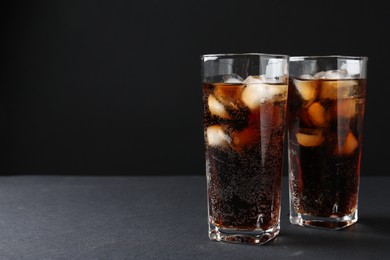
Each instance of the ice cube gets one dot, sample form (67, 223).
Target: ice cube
(254, 79)
(307, 89)
(216, 136)
(278, 92)
(280, 79)
(304, 118)
(332, 74)
(232, 79)
(317, 115)
(319, 75)
(306, 76)
(263, 79)
(228, 95)
(244, 138)
(256, 92)
(217, 108)
(339, 89)
(349, 145)
(345, 108)
(310, 138)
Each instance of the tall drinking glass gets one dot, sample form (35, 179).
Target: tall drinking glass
(245, 100)
(325, 120)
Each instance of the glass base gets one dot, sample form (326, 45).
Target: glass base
(324, 223)
(256, 237)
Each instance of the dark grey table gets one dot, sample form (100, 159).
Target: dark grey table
(88, 217)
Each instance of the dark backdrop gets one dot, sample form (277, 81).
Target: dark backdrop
(113, 87)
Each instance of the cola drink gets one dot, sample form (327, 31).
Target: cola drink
(244, 126)
(325, 118)
(244, 101)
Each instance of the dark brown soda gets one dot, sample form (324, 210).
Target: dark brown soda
(325, 141)
(244, 172)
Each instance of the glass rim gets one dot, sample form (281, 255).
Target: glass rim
(259, 54)
(313, 57)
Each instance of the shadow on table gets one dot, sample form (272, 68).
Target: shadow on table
(377, 225)
(370, 233)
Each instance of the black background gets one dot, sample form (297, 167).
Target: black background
(113, 87)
